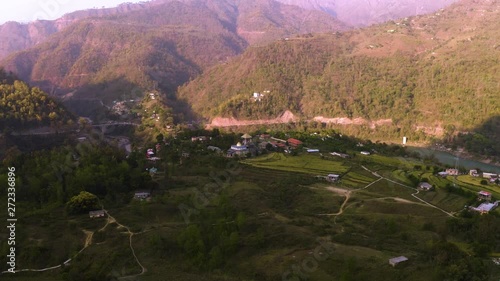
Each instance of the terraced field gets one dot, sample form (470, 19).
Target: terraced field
(308, 164)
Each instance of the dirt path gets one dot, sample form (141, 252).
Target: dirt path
(131, 234)
(88, 242)
(347, 194)
(414, 195)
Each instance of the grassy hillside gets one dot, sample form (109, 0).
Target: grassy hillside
(421, 73)
(272, 216)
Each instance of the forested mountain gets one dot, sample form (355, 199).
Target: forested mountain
(168, 42)
(16, 36)
(367, 12)
(421, 73)
(22, 106)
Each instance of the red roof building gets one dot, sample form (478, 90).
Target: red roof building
(294, 142)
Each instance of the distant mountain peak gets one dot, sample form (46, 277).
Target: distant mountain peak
(367, 12)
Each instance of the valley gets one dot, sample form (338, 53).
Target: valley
(231, 140)
(272, 207)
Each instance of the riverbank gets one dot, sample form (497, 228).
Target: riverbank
(456, 158)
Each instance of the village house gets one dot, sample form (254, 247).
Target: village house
(443, 174)
(276, 144)
(333, 177)
(214, 149)
(473, 173)
(142, 195)
(484, 195)
(97, 214)
(150, 153)
(489, 175)
(199, 138)
(397, 260)
(342, 155)
(485, 207)
(452, 172)
(294, 143)
(264, 136)
(257, 96)
(425, 186)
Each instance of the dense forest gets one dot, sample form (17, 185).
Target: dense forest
(22, 106)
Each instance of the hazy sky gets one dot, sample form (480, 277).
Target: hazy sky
(29, 10)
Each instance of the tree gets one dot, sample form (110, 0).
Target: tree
(159, 138)
(82, 203)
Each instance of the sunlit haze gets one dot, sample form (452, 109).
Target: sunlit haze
(30, 10)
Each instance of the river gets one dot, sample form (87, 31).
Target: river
(450, 159)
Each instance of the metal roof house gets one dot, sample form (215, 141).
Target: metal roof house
(486, 207)
(332, 177)
(397, 260)
(97, 214)
(425, 186)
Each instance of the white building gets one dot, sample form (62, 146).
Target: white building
(397, 260)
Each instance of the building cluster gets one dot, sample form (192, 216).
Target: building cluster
(486, 205)
(250, 146)
(491, 177)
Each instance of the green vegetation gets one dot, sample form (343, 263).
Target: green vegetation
(309, 164)
(334, 75)
(267, 218)
(23, 107)
(82, 203)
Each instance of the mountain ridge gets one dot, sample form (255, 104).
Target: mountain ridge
(187, 36)
(367, 12)
(388, 71)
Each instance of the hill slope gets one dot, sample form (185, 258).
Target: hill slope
(16, 36)
(367, 12)
(168, 42)
(419, 73)
(22, 106)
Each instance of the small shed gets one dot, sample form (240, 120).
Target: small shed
(397, 260)
(484, 195)
(443, 174)
(333, 178)
(142, 195)
(97, 214)
(425, 186)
